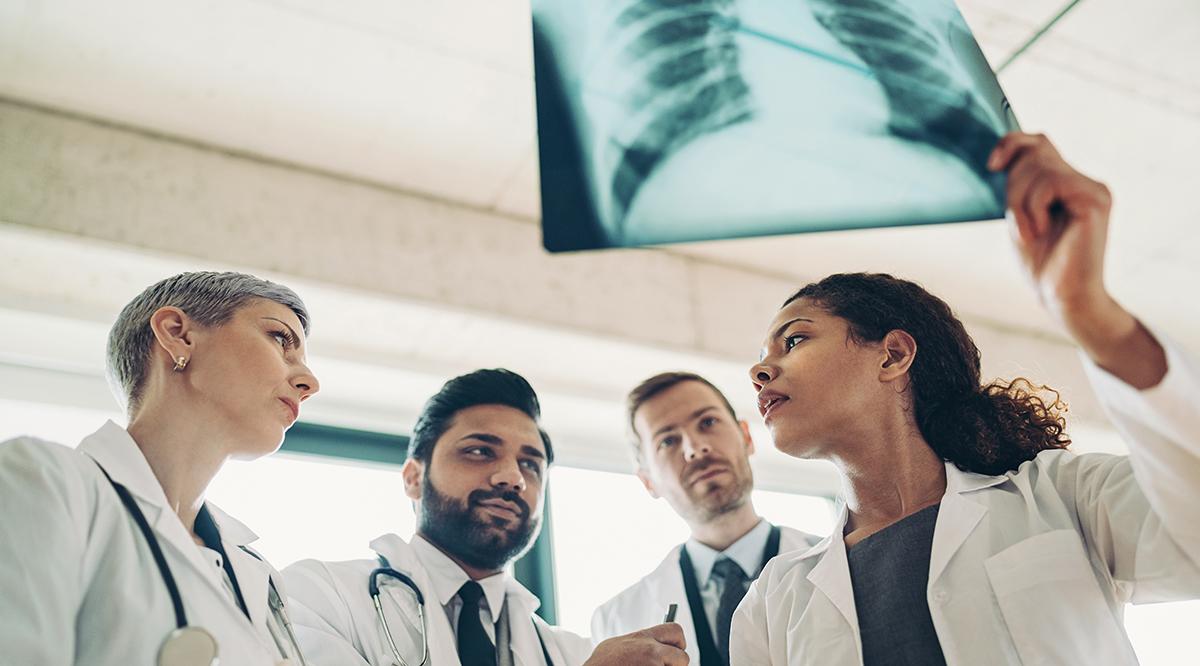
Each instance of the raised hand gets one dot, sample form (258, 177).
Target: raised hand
(1060, 224)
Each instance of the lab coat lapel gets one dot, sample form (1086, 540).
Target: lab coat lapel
(666, 587)
(957, 517)
(120, 457)
(831, 574)
(526, 648)
(253, 574)
(443, 649)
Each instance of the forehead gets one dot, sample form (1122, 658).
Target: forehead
(511, 425)
(798, 309)
(674, 405)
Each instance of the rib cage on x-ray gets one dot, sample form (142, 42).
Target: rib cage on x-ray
(674, 69)
(673, 66)
(926, 101)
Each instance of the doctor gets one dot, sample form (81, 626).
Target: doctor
(970, 536)
(476, 474)
(692, 450)
(111, 554)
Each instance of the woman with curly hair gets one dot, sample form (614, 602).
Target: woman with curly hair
(969, 534)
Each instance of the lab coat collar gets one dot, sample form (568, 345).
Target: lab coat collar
(112, 447)
(957, 518)
(117, 453)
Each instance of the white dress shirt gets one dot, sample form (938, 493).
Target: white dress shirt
(746, 552)
(446, 578)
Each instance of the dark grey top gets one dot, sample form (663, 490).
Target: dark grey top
(890, 572)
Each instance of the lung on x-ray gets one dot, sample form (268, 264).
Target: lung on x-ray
(663, 121)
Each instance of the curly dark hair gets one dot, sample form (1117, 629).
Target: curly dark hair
(986, 429)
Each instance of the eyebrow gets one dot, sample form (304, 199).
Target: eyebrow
(295, 337)
(694, 415)
(779, 331)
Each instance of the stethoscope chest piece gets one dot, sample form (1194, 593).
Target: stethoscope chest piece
(188, 646)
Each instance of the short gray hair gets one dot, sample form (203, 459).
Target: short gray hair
(209, 298)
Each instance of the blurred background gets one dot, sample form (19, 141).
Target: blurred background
(381, 159)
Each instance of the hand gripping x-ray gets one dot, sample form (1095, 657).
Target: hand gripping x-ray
(665, 121)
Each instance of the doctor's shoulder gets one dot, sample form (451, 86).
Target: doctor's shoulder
(327, 593)
(44, 480)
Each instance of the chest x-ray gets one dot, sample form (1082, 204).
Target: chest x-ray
(665, 121)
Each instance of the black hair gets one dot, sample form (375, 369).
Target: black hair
(988, 429)
(481, 387)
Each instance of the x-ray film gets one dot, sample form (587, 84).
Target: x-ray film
(664, 121)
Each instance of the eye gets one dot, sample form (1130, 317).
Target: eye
(668, 441)
(478, 452)
(708, 422)
(792, 340)
(285, 339)
(532, 465)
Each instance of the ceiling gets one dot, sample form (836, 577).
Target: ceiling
(436, 98)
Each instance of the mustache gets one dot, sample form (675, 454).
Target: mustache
(479, 496)
(692, 470)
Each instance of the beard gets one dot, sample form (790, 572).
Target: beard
(483, 542)
(709, 503)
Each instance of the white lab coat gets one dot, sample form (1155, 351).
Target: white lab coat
(1031, 567)
(337, 625)
(79, 584)
(644, 603)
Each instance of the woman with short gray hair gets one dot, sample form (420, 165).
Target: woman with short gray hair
(112, 554)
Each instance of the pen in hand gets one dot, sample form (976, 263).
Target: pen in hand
(671, 613)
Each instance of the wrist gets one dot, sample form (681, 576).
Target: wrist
(1098, 324)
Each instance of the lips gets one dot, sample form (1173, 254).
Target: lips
(503, 508)
(293, 407)
(768, 401)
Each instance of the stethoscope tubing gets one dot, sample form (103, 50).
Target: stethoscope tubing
(373, 589)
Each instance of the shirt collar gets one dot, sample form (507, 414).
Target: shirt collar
(447, 577)
(747, 552)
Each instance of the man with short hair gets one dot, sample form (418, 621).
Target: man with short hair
(476, 469)
(693, 451)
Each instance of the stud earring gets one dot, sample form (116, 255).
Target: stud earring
(180, 363)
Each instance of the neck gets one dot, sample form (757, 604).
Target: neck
(889, 478)
(182, 457)
(473, 572)
(724, 530)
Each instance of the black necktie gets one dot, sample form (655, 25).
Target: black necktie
(474, 646)
(928, 95)
(733, 583)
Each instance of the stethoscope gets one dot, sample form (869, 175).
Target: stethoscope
(385, 569)
(194, 646)
(373, 587)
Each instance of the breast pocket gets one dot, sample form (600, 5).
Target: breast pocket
(1052, 603)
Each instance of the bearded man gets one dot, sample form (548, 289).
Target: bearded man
(476, 471)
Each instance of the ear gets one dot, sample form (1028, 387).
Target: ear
(900, 350)
(413, 474)
(647, 482)
(745, 426)
(172, 330)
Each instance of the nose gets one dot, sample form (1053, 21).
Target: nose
(305, 382)
(762, 373)
(693, 449)
(508, 476)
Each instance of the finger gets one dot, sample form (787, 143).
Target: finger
(670, 633)
(1020, 179)
(673, 657)
(1040, 199)
(1017, 144)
